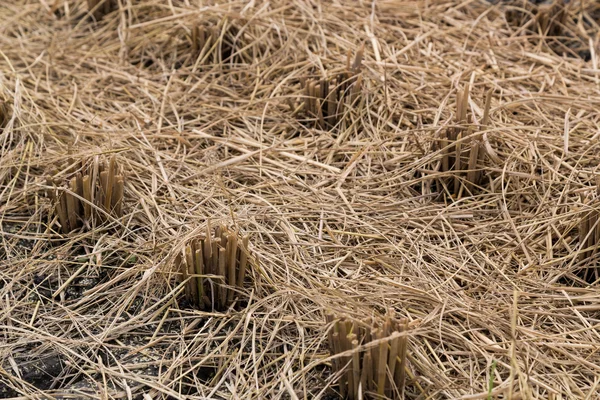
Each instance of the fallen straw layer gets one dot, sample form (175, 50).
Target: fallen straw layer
(92, 193)
(215, 268)
(378, 369)
(334, 215)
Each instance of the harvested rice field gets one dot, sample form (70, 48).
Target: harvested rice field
(303, 199)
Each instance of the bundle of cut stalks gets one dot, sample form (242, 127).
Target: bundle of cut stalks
(213, 44)
(370, 371)
(4, 113)
(589, 231)
(548, 19)
(99, 8)
(214, 267)
(462, 148)
(551, 18)
(93, 191)
(325, 100)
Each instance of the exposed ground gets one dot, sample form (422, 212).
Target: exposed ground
(498, 288)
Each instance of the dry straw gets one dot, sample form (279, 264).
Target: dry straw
(490, 280)
(93, 191)
(372, 356)
(214, 268)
